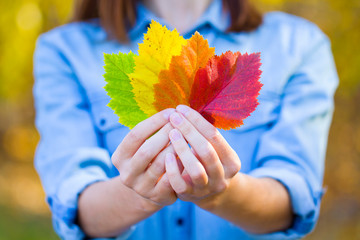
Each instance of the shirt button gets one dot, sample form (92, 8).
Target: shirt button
(102, 122)
(180, 222)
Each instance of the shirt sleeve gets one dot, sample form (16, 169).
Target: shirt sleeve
(293, 150)
(68, 157)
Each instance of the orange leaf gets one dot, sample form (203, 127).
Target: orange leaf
(175, 83)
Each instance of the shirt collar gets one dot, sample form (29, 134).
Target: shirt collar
(213, 16)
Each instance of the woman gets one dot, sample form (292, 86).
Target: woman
(280, 148)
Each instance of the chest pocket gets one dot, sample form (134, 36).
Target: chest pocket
(104, 117)
(106, 122)
(265, 114)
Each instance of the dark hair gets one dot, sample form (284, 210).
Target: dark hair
(116, 16)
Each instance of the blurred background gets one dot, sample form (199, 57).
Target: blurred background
(23, 212)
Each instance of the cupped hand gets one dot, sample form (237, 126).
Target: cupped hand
(208, 164)
(140, 159)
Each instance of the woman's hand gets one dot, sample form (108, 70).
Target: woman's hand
(140, 159)
(209, 164)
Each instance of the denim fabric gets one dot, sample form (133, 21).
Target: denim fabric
(285, 138)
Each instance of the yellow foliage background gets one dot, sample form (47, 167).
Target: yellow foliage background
(23, 212)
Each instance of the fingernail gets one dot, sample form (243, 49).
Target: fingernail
(175, 118)
(168, 112)
(174, 135)
(183, 109)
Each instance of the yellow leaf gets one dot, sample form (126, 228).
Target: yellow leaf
(154, 55)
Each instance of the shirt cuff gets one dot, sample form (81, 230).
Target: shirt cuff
(64, 203)
(305, 205)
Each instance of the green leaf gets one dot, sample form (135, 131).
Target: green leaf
(117, 67)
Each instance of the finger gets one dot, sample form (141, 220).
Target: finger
(137, 165)
(192, 165)
(174, 175)
(138, 135)
(227, 155)
(156, 170)
(164, 187)
(205, 151)
(149, 150)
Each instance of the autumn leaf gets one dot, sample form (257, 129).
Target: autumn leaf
(225, 91)
(170, 70)
(117, 67)
(155, 53)
(175, 83)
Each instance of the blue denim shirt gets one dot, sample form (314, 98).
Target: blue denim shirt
(285, 138)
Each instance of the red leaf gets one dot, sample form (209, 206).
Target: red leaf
(225, 91)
